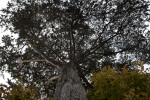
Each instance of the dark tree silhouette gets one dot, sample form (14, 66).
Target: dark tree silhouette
(70, 39)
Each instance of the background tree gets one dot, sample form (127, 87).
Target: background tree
(72, 38)
(126, 85)
(18, 92)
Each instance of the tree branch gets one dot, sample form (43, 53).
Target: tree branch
(47, 82)
(49, 60)
(109, 54)
(33, 60)
(92, 50)
(36, 38)
(95, 41)
(73, 41)
(84, 78)
(114, 53)
(87, 53)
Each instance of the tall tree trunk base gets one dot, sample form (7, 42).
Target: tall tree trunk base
(69, 86)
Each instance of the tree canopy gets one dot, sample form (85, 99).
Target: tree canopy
(89, 34)
(126, 85)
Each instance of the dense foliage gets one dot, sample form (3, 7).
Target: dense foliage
(113, 85)
(18, 92)
(72, 37)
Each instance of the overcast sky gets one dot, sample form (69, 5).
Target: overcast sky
(3, 4)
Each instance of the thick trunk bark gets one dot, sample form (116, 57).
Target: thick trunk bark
(69, 86)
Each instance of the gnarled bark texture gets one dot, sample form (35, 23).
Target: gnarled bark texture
(69, 86)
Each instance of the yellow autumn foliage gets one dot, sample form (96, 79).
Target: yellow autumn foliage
(19, 93)
(124, 85)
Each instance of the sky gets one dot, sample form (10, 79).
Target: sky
(3, 4)
(3, 79)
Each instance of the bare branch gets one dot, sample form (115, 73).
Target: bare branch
(100, 34)
(95, 41)
(88, 52)
(73, 47)
(49, 60)
(84, 78)
(33, 60)
(59, 56)
(110, 54)
(92, 50)
(47, 82)
(123, 50)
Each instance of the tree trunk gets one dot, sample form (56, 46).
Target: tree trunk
(69, 86)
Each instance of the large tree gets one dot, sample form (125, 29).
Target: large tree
(69, 39)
